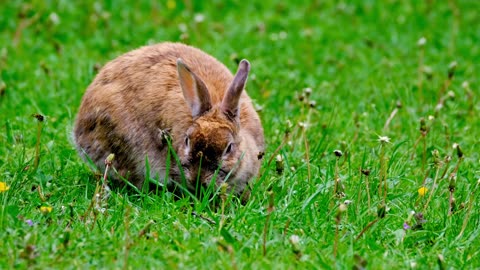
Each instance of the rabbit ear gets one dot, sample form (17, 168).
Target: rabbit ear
(194, 90)
(231, 100)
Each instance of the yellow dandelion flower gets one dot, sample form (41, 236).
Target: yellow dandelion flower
(3, 187)
(422, 191)
(46, 209)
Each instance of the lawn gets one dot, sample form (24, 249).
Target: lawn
(370, 111)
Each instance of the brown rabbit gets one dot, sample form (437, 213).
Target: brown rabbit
(175, 91)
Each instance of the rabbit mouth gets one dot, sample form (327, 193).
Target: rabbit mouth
(216, 176)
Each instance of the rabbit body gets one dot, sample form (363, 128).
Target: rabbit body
(171, 91)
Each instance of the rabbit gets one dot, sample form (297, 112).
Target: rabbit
(172, 92)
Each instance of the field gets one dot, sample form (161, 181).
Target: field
(371, 117)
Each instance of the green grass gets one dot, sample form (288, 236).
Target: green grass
(359, 58)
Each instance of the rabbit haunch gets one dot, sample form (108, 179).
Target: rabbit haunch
(173, 89)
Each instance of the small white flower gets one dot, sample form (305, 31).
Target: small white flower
(182, 27)
(421, 42)
(427, 70)
(452, 65)
(383, 139)
(294, 239)
(199, 18)
(54, 18)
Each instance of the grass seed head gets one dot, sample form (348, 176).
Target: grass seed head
(109, 159)
(428, 71)
(423, 125)
(452, 182)
(301, 97)
(365, 172)
(451, 69)
(288, 127)
(279, 166)
(381, 210)
(399, 104)
(3, 87)
(39, 117)
(307, 91)
(295, 242)
(456, 146)
(436, 158)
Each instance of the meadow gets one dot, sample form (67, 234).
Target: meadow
(370, 111)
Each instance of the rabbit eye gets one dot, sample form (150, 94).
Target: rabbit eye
(187, 141)
(229, 148)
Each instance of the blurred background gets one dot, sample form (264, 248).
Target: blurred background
(361, 61)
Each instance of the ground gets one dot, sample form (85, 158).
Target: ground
(370, 113)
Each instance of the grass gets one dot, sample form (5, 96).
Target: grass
(362, 61)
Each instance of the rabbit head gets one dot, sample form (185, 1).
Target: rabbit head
(214, 147)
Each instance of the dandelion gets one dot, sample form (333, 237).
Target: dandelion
(3, 187)
(383, 139)
(46, 209)
(422, 191)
